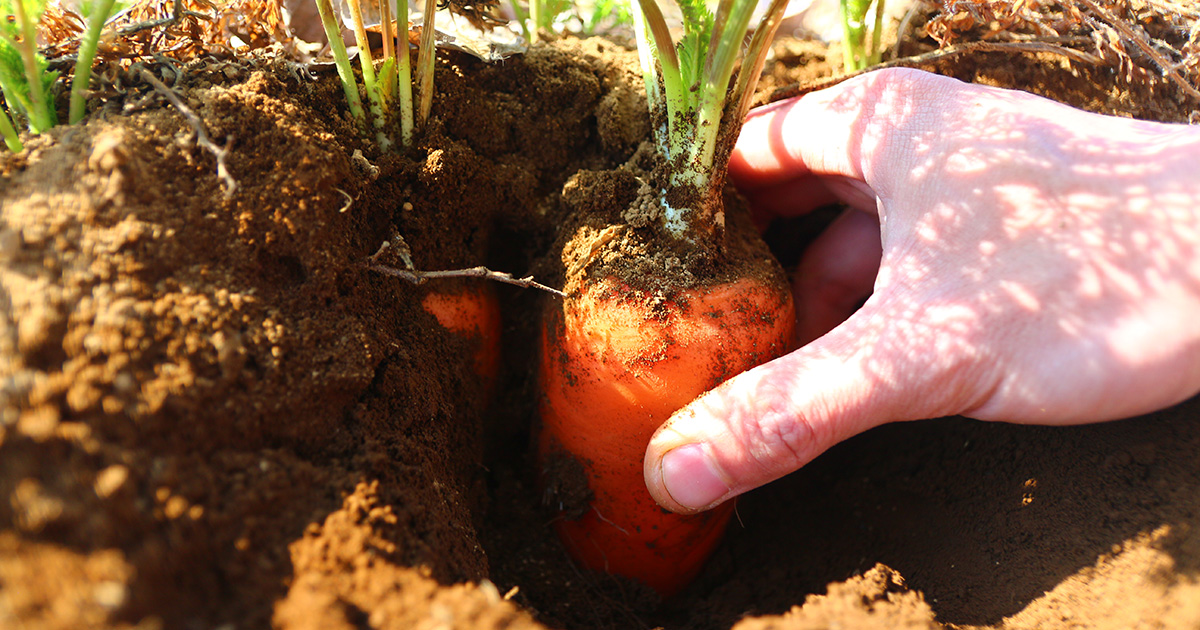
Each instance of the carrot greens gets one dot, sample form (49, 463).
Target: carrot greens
(25, 80)
(859, 53)
(98, 13)
(388, 87)
(691, 100)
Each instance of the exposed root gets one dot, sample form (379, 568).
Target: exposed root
(420, 277)
(228, 182)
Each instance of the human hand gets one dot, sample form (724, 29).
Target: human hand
(1036, 264)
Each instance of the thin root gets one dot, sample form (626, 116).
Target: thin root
(420, 277)
(230, 184)
(349, 202)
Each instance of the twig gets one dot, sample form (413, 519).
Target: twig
(197, 125)
(923, 59)
(177, 12)
(420, 277)
(1166, 67)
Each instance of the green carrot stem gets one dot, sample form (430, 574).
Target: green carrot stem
(728, 34)
(650, 75)
(756, 57)
(877, 35)
(848, 35)
(536, 9)
(87, 54)
(342, 61)
(404, 76)
(374, 93)
(11, 139)
(388, 80)
(425, 59)
(701, 109)
(41, 114)
(662, 50)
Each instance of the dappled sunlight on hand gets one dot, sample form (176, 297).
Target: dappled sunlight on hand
(1035, 264)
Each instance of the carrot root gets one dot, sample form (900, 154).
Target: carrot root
(614, 368)
(472, 311)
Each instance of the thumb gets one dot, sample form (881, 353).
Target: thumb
(773, 419)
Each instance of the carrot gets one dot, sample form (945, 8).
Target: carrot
(616, 365)
(472, 311)
(617, 359)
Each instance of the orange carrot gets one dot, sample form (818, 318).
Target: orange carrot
(472, 311)
(616, 365)
(617, 362)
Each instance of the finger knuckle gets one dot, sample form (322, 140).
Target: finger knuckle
(781, 438)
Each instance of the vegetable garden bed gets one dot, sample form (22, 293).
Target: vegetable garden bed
(215, 413)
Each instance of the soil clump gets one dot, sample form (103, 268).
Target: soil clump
(213, 415)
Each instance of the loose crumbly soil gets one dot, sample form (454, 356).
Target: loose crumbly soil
(213, 415)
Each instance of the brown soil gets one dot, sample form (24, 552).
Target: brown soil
(213, 416)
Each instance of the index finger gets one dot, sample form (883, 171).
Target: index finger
(839, 132)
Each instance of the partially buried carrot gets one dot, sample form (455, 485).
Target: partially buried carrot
(616, 364)
(471, 310)
(696, 299)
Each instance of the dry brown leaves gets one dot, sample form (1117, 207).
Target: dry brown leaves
(181, 30)
(1145, 40)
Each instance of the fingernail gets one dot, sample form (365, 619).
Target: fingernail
(689, 477)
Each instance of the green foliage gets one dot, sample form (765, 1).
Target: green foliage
(697, 25)
(573, 16)
(607, 14)
(25, 79)
(27, 99)
(693, 97)
(10, 27)
(98, 12)
(860, 42)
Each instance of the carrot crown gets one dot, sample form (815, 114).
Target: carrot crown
(692, 101)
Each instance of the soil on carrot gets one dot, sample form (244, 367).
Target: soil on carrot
(212, 414)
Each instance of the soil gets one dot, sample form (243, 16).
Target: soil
(213, 415)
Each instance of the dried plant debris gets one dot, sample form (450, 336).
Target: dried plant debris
(1147, 40)
(180, 29)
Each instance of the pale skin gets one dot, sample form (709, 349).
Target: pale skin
(1025, 262)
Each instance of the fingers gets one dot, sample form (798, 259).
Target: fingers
(761, 425)
(845, 130)
(823, 148)
(875, 368)
(836, 275)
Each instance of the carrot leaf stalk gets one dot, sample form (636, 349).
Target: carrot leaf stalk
(404, 77)
(388, 87)
(341, 60)
(689, 93)
(855, 51)
(374, 90)
(98, 15)
(24, 75)
(425, 59)
(11, 139)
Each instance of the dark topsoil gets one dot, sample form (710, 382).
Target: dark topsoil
(211, 415)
